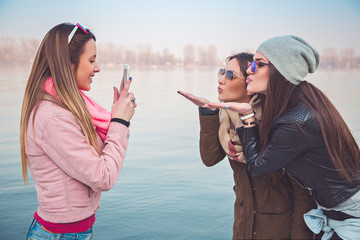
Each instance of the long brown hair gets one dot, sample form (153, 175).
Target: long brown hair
(281, 96)
(243, 59)
(55, 58)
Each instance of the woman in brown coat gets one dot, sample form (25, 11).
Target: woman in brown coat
(269, 207)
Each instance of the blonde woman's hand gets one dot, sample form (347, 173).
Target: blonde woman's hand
(241, 108)
(124, 103)
(198, 101)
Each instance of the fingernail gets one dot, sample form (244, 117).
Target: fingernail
(178, 92)
(226, 106)
(130, 78)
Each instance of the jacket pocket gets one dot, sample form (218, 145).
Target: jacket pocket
(273, 193)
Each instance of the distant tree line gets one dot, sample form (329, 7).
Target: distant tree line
(345, 59)
(109, 54)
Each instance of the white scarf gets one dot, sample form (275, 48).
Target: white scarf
(228, 137)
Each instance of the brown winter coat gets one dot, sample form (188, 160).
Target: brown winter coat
(268, 207)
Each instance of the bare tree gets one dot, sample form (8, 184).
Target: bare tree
(212, 57)
(202, 56)
(109, 53)
(357, 62)
(8, 50)
(145, 54)
(168, 58)
(189, 55)
(27, 51)
(330, 58)
(130, 56)
(348, 59)
(207, 56)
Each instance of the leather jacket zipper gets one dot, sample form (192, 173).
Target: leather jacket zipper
(302, 185)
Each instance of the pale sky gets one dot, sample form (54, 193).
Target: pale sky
(230, 25)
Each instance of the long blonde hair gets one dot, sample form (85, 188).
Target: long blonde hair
(54, 58)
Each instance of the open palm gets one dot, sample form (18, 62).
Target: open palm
(242, 108)
(198, 101)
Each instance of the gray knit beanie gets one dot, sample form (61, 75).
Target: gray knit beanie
(292, 57)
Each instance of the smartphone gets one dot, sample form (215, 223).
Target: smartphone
(125, 76)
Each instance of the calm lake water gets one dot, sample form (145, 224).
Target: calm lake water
(164, 191)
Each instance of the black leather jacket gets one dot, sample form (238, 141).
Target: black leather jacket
(296, 144)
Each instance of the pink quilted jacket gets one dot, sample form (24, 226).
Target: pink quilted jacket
(70, 176)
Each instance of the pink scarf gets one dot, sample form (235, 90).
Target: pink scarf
(99, 116)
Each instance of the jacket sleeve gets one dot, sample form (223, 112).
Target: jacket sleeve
(64, 142)
(286, 143)
(210, 149)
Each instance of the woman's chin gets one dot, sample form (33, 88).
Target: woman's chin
(87, 88)
(226, 100)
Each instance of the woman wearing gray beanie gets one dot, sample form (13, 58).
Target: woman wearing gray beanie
(267, 207)
(303, 134)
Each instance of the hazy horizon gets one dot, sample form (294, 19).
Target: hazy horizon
(231, 26)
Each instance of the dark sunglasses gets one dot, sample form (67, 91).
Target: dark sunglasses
(253, 65)
(228, 74)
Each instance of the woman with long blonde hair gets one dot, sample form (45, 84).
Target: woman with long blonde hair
(73, 147)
